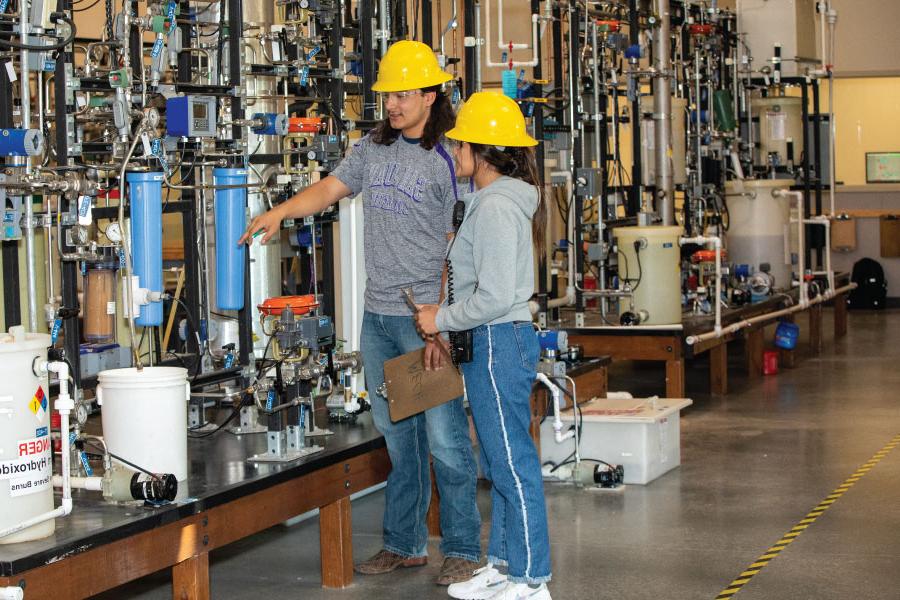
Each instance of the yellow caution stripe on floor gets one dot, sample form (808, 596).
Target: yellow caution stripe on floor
(760, 563)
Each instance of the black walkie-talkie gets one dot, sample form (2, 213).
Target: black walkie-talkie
(461, 342)
(459, 213)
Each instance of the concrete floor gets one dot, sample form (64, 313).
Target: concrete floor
(753, 464)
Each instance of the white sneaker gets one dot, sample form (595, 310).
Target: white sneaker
(521, 591)
(485, 582)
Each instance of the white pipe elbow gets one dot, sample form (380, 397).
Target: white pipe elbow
(12, 593)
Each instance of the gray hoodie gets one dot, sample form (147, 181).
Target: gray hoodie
(492, 258)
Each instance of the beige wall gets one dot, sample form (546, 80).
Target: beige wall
(867, 42)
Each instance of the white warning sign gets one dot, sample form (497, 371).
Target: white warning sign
(31, 472)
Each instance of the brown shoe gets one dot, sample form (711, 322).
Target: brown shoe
(386, 561)
(456, 569)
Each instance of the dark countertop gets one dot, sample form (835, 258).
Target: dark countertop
(218, 473)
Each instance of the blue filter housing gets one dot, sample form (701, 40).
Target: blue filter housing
(145, 194)
(231, 220)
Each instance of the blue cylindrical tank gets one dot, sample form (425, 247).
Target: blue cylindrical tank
(231, 220)
(145, 194)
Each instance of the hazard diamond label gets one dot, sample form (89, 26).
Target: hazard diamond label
(38, 403)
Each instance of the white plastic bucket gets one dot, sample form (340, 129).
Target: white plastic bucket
(26, 462)
(144, 415)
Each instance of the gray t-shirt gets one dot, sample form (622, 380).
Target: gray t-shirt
(408, 206)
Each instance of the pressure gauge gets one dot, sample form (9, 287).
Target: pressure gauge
(81, 413)
(114, 233)
(78, 236)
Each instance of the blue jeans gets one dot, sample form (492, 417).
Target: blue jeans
(444, 430)
(498, 385)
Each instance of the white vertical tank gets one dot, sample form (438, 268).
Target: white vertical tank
(759, 227)
(653, 270)
(26, 455)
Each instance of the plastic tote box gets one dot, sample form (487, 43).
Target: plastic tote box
(642, 435)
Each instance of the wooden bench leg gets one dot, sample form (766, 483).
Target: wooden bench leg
(840, 316)
(336, 544)
(755, 347)
(190, 578)
(815, 329)
(675, 378)
(433, 518)
(718, 369)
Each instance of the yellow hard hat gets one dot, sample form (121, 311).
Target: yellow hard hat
(409, 65)
(492, 119)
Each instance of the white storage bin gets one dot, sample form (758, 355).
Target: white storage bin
(642, 435)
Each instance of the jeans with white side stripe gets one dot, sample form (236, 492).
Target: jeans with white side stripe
(498, 386)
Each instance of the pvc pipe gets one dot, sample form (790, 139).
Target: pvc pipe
(559, 436)
(487, 30)
(12, 593)
(574, 414)
(568, 298)
(801, 242)
(93, 484)
(64, 405)
(696, 339)
(717, 242)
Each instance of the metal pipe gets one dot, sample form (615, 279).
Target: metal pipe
(383, 34)
(596, 96)
(478, 45)
(698, 133)
(662, 117)
(126, 247)
(25, 92)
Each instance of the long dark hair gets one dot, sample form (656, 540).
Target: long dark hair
(440, 121)
(519, 162)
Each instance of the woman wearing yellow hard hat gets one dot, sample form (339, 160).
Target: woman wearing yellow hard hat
(491, 271)
(406, 178)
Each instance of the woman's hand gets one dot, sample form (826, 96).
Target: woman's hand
(266, 224)
(437, 351)
(425, 320)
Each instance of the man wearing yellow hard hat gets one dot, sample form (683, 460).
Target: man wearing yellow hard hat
(407, 180)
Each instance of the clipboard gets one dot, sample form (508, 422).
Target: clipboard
(411, 389)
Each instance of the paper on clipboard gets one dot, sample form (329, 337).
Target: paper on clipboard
(411, 389)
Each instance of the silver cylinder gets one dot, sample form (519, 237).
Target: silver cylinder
(662, 115)
(265, 259)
